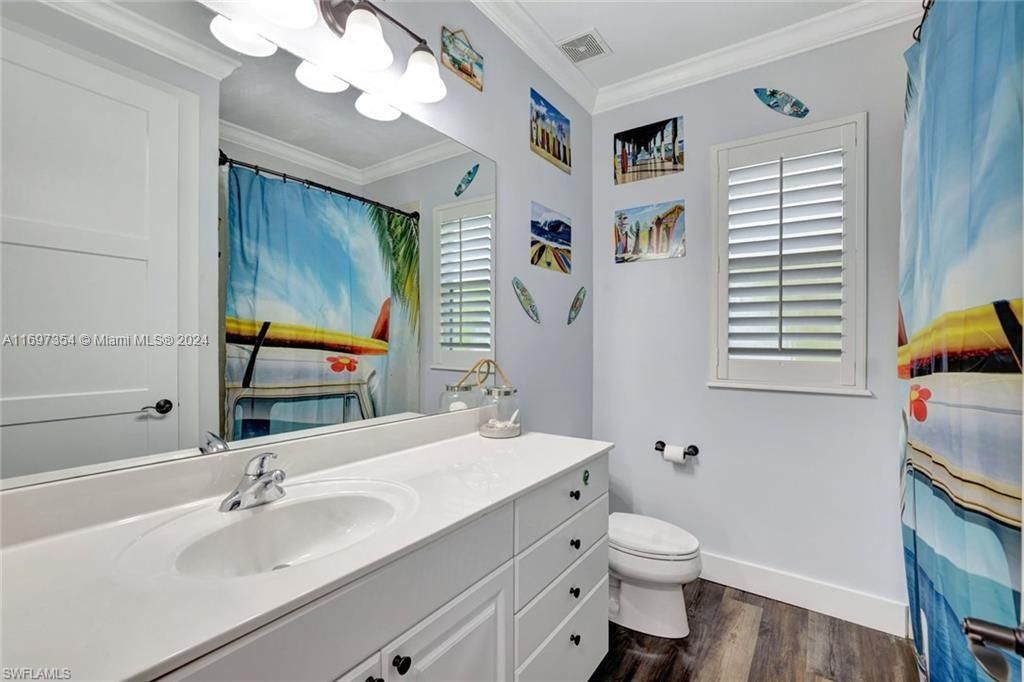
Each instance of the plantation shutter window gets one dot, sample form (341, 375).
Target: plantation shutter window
(790, 269)
(465, 299)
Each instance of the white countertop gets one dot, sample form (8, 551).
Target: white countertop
(68, 602)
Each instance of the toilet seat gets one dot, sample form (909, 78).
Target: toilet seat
(650, 538)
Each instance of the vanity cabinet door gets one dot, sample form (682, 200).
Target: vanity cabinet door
(467, 640)
(367, 671)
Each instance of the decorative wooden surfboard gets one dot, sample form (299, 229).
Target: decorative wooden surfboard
(577, 305)
(467, 179)
(782, 102)
(526, 300)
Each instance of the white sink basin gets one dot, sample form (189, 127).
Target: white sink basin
(313, 520)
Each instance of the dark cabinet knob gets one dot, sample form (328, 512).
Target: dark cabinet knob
(575, 592)
(163, 406)
(402, 664)
(575, 639)
(575, 543)
(371, 678)
(574, 494)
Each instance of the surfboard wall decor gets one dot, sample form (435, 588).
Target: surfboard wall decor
(782, 102)
(467, 179)
(577, 305)
(526, 300)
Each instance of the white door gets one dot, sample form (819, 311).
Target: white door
(468, 640)
(88, 246)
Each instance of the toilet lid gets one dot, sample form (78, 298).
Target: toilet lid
(649, 536)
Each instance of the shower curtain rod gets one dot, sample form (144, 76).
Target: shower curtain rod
(226, 160)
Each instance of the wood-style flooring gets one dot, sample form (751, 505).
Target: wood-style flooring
(737, 636)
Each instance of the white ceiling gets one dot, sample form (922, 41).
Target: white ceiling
(649, 35)
(263, 96)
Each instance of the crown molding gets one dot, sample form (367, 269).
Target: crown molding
(519, 26)
(418, 158)
(825, 29)
(271, 146)
(123, 23)
(832, 27)
(250, 139)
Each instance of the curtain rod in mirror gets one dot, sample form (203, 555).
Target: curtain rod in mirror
(225, 160)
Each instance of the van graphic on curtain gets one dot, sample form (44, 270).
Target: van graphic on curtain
(959, 351)
(322, 308)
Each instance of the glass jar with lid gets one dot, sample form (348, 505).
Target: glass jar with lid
(499, 413)
(457, 397)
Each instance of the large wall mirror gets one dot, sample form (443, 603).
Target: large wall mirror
(343, 280)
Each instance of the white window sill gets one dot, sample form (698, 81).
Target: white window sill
(821, 390)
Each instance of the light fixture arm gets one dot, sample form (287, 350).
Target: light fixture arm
(335, 14)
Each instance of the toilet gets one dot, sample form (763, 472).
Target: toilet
(650, 560)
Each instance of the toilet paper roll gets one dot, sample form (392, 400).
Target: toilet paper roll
(674, 453)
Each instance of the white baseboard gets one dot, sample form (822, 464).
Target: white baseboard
(857, 607)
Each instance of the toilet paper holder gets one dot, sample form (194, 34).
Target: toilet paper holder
(690, 451)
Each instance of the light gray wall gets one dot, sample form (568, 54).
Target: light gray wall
(433, 186)
(802, 483)
(551, 363)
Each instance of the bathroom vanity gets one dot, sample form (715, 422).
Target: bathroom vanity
(464, 559)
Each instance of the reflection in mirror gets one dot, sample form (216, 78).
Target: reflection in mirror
(345, 281)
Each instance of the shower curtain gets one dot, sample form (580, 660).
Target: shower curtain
(321, 307)
(960, 328)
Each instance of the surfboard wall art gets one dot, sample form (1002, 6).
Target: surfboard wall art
(577, 305)
(467, 179)
(526, 300)
(782, 102)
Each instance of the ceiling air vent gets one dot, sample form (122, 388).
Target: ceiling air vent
(585, 46)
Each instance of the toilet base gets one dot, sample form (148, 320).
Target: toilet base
(650, 608)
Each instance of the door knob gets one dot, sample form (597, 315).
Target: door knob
(162, 406)
(402, 664)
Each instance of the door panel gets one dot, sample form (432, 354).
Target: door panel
(88, 246)
(470, 639)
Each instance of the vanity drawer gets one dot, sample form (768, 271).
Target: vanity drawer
(559, 657)
(544, 508)
(542, 615)
(541, 563)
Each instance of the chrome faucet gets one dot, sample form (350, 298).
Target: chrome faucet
(213, 443)
(257, 487)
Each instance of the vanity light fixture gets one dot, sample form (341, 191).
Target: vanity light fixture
(421, 81)
(319, 79)
(241, 38)
(296, 14)
(376, 108)
(363, 40)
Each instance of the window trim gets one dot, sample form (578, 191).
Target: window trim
(442, 359)
(854, 381)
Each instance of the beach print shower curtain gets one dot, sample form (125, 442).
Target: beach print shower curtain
(322, 308)
(960, 328)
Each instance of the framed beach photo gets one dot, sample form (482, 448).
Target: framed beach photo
(550, 239)
(651, 232)
(550, 132)
(649, 151)
(458, 55)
